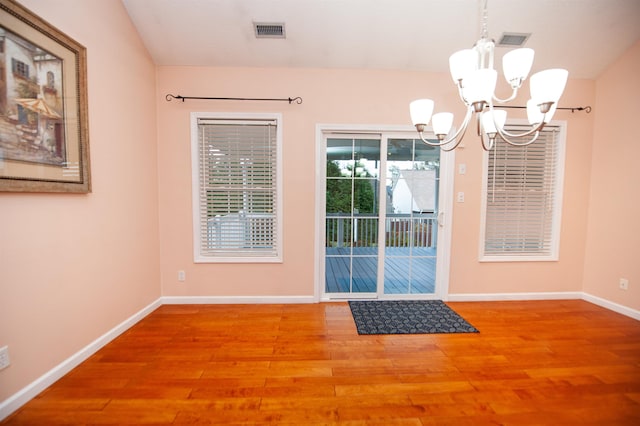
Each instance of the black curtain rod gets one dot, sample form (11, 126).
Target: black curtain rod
(572, 109)
(297, 99)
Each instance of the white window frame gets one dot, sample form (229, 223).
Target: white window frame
(200, 257)
(553, 252)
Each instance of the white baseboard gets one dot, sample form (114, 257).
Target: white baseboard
(30, 391)
(483, 297)
(235, 300)
(490, 297)
(612, 306)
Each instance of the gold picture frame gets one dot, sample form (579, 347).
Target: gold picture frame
(44, 134)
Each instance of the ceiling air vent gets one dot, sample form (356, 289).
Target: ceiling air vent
(269, 30)
(513, 39)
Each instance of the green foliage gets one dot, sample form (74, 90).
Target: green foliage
(339, 189)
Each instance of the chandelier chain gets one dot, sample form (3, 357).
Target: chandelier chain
(484, 22)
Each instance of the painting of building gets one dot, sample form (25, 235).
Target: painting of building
(31, 108)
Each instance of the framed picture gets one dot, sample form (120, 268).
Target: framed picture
(44, 138)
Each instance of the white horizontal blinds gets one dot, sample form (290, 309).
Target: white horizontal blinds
(238, 164)
(521, 191)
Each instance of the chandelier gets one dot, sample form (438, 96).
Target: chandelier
(473, 73)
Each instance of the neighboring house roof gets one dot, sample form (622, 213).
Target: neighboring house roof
(421, 186)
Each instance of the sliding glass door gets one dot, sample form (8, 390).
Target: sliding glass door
(380, 216)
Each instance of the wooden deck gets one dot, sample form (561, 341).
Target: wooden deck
(533, 363)
(403, 274)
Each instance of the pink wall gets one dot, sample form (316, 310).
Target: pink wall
(613, 244)
(74, 266)
(330, 96)
(354, 97)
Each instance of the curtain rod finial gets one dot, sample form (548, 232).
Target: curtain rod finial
(169, 97)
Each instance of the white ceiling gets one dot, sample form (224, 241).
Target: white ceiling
(583, 36)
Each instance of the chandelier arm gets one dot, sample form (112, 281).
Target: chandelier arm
(482, 134)
(484, 144)
(463, 128)
(428, 142)
(460, 94)
(529, 142)
(461, 131)
(449, 149)
(509, 99)
(505, 134)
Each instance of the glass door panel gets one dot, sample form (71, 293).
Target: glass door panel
(410, 222)
(351, 211)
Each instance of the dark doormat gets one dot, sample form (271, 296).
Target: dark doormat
(407, 317)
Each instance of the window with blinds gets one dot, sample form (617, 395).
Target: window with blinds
(523, 197)
(236, 188)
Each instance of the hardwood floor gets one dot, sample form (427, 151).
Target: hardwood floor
(542, 363)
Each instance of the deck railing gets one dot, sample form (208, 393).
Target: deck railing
(401, 230)
(240, 230)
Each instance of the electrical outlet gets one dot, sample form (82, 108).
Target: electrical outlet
(624, 284)
(182, 276)
(4, 357)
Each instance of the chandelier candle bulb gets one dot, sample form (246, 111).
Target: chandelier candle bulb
(421, 111)
(516, 65)
(442, 123)
(548, 85)
(493, 120)
(479, 86)
(535, 116)
(462, 63)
